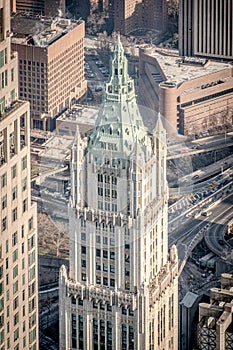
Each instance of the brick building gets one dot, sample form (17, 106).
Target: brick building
(194, 95)
(51, 65)
(129, 15)
(41, 7)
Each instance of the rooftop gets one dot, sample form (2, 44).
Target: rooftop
(38, 30)
(80, 114)
(177, 69)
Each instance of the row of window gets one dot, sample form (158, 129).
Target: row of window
(107, 179)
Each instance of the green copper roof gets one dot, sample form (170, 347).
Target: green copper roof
(119, 124)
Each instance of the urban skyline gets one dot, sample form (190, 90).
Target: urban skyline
(116, 178)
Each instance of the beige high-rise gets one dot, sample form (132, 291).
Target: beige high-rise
(122, 289)
(51, 65)
(18, 222)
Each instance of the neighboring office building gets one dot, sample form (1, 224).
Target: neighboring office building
(51, 8)
(51, 65)
(122, 288)
(193, 95)
(215, 327)
(18, 220)
(206, 29)
(130, 15)
(127, 15)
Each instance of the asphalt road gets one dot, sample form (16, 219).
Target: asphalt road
(191, 230)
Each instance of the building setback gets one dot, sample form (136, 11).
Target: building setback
(51, 65)
(205, 28)
(122, 289)
(194, 95)
(18, 220)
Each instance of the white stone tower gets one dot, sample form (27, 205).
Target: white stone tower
(122, 288)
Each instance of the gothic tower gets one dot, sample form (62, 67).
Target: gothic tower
(122, 288)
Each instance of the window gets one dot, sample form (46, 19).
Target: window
(83, 236)
(24, 205)
(84, 263)
(97, 239)
(112, 282)
(4, 223)
(4, 202)
(112, 268)
(114, 194)
(15, 287)
(13, 172)
(14, 193)
(15, 271)
(83, 249)
(14, 214)
(22, 231)
(105, 254)
(98, 252)
(107, 192)
(16, 334)
(12, 74)
(31, 243)
(112, 255)
(24, 184)
(100, 191)
(114, 180)
(24, 162)
(98, 266)
(15, 255)
(4, 79)
(3, 180)
(105, 281)
(12, 95)
(30, 223)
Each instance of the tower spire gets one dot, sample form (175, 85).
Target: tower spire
(119, 87)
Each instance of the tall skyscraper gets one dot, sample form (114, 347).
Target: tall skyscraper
(122, 288)
(18, 242)
(205, 28)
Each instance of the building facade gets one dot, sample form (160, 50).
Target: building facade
(205, 28)
(194, 95)
(122, 288)
(51, 66)
(18, 243)
(215, 327)
(130, 15)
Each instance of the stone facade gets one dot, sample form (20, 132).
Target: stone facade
(122, 288)
(18, 219)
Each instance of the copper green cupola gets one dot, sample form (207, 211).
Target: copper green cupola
(120, 86)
